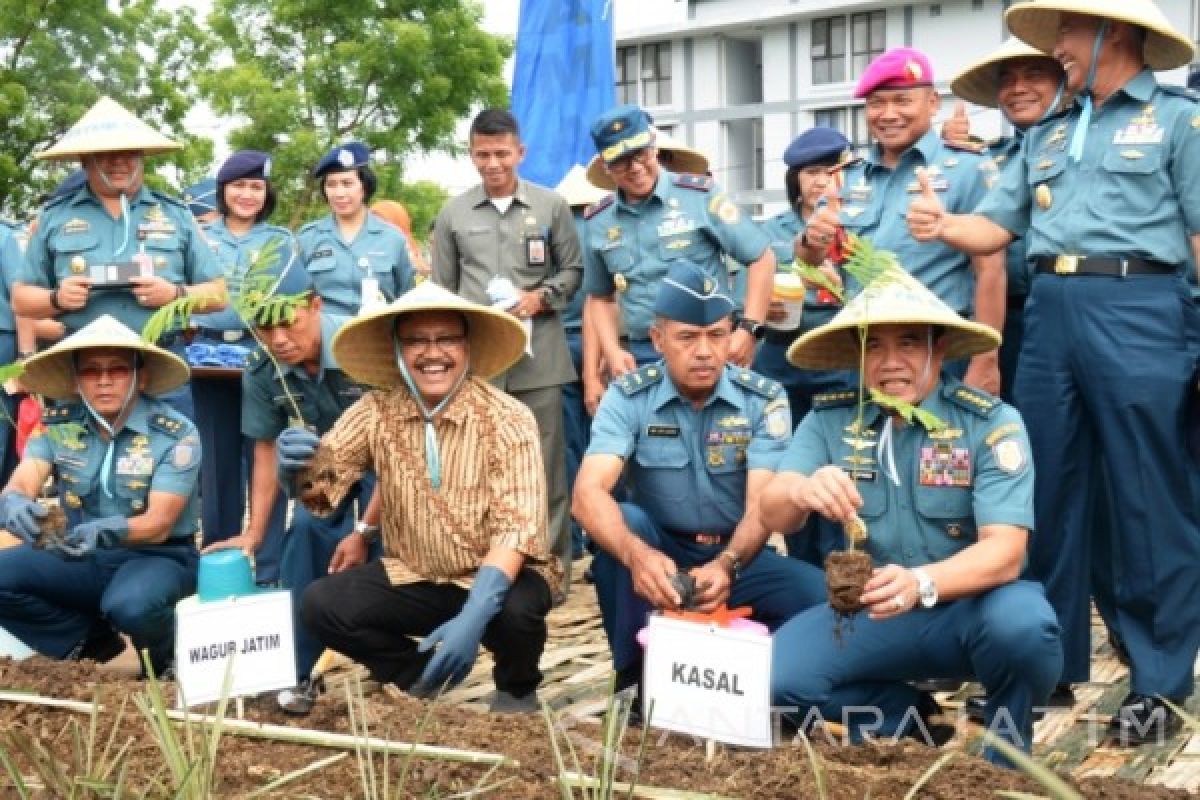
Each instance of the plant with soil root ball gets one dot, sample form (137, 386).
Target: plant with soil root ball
(847, 571)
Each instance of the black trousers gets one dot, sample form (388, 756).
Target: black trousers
(362, 615)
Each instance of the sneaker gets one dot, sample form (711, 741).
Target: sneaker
(101, 645)
(1144, 719)
(502, 702)
(299, 700)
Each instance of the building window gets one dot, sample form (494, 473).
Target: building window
(977, 5)
(627, 75)
(935, 10)
(867, 35)
(656, 74)
(851, 121)
(829, 50)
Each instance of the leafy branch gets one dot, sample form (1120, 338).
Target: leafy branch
(910, 413)
(251, 296)
(65, 433)
(810, 274)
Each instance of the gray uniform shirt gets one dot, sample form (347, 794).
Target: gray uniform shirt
(533, 244)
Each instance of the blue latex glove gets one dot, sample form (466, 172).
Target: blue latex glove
(293, 450)
(19, 515)
(459, 637)
(88, 537)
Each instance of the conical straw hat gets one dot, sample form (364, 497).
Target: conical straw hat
(1036, 23)
(897, 299)
(363, 347)
(52, 371)
(578, 190)
(980, 82)
(683, 159)
(108, 128)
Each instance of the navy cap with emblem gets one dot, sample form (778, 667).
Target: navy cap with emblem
(69, 184)
(689, 294)
(620, 131)
(201, 197)
(245, 164)
(819, 145)
(343, 158)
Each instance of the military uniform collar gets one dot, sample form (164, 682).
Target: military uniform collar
(660, 191)
(934, 402)
(138, 420)
(929, 146)
(480, 197)
(665, 391)
(1141, 87)
(84, 194)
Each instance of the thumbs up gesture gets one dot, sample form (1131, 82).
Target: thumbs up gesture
(819, 232)
(926, 214)
(957, 128)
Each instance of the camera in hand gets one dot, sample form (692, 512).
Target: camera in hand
(117, 275)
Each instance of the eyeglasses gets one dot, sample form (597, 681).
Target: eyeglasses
(622, 165)
(421, 344)
(116, 372)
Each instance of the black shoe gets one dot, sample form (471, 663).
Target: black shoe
(1142, 718)
(1063, 696)
(925, 730)
(976, 709)
(102, 645)
(629, 681)
(301, 698)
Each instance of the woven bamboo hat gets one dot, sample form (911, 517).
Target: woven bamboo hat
(108, 128)
(897, 299)
(683, 159)
(1036, 23)
(363, 347)
(980, 82)
(578, 190)
(52, 371)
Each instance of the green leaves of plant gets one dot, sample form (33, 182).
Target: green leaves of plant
(929, 421)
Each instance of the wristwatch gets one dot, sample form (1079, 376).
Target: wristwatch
(733, 560)
(927, 592)
(752, 327)
(369, 532)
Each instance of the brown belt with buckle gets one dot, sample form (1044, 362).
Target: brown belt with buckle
(1102, 265)
(700, 537)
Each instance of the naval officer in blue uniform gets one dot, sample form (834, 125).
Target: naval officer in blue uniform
(1106, 196)
(697, 438)
(115, 246)
(947, 505)
(127, 467)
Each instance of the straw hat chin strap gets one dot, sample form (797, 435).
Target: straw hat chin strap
(433, 458)
(1079, 136)
(139, 171)
(106, 466)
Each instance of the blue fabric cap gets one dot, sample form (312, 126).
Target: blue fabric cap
(245, 164)
(342, 158)
(620, 131)
(202, 355)
(70, 184)
(201, 197)
(689, 294)
(816, 145)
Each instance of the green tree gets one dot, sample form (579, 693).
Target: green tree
(57, 57)
(307, 74)
(423, 199)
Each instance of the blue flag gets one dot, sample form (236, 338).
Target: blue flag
(562, 80)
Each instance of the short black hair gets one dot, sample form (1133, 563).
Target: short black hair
(261, 216)
(495, 121)
(366, 177)
(792, 179)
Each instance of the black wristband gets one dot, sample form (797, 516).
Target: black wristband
(54, 300)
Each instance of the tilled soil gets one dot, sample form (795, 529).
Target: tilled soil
(881, 771)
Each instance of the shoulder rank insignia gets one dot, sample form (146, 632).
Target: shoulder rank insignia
(834, 399)
(164, 423)
(700, 183)
(598, 206)
(633, 382)
(972, 399)
(759, 384)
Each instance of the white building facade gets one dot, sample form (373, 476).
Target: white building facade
(739, 79)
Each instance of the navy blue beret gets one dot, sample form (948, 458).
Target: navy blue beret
(70, 184)
(814, 146)
(245, 164)
(201, 197)
(620, 131)
(343, 158)
(689, 294)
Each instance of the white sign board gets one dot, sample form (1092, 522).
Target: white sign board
(255, 632)
(710, 682)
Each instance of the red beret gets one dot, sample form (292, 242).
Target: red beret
(898, 68)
